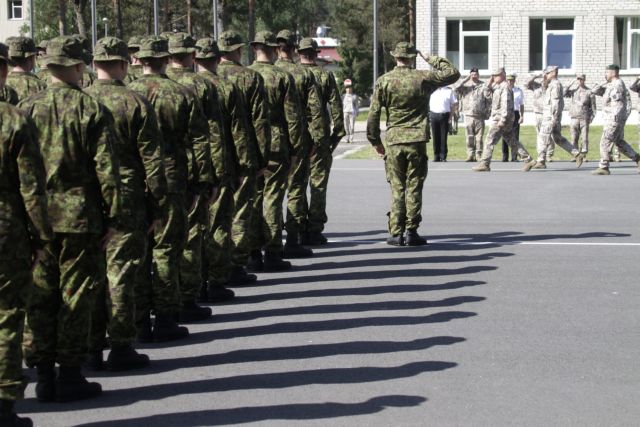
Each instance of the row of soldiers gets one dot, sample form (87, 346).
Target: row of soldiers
(132, 191)
(496, 97)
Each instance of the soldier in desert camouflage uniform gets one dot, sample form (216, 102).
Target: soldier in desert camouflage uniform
(22, 52)
(404, 93)
(474, 106)
(582, 111)
(24, 231)
(615, 110)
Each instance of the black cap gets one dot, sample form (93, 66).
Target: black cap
(474, 70)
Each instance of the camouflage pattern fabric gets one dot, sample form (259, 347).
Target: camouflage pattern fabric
(9, 95)
(474, 106)
(550, 129)
(25, 84)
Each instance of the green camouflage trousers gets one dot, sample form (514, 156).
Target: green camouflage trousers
(406, 167)
(157, 282)
(275, 188)
(297, 209)
(217, 241)
(319, 169)
(114, 311)
(66, 282)
(15, 289)
(191, 263)
(243, 218)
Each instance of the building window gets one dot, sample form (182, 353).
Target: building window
(627, 46)
(551, 42)
(15, 9)
(468, 43)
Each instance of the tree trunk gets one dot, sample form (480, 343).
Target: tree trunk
(412, 21)
(167, 16)
(252, 27)
(189, 24)
(79, 6)
(62, 17)
(117, 13)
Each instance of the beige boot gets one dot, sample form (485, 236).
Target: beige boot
(579, 159)
(540, 165)
(601, 171)
(528, 165)
(481, 167)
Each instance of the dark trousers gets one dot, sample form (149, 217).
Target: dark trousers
(516, 132)
(439, 134)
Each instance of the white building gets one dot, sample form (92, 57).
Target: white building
(525, 36)
(14, 18)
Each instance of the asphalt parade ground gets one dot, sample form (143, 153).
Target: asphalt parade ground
(522, 311)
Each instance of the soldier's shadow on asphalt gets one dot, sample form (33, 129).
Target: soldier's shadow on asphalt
(248, 414)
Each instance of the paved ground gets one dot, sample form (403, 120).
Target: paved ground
(522, 311)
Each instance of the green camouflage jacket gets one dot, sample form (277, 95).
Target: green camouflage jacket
(208, 96)
(138, 145)
(251, 87)
(8, 94)
(187, 155)
(76, 140)
(284, 109)
(135, 72)
(332, 100)
(24, 222)
(316, 116)
(25, 84)
(404, 94)
(242, 155)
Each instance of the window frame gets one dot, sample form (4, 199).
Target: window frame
(630, 33)
(471, 33)
(12, 7)
(546, 33)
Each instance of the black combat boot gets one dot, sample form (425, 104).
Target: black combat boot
(46, 385)
(395, 240)
(218, 293)
(293, 248)
(123, 357)
(95, 362)
(203, 296)
(8, 418)
(239, 277)
(143, 324)
(165, 328)
(255, 264)
(313, 238)
(414, 239)
(192, 312)
(275, 263)
(71, 385)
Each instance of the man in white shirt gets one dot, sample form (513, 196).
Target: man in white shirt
(350, 109)
(518, 109)
(441, 103)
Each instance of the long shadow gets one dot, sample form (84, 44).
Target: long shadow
(317, 326)
(376, 274)
(517, 236)
(406, 261)
(358, 291)
(383, 249)
(262, 381)
(249, 414)
(343, 308)
(335, 235)
(303, 352)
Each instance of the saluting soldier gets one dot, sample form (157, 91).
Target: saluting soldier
(474, 106)
(582, 111)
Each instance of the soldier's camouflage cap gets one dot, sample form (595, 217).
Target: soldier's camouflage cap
(308, 43)
(228, 41)
(613, 67)
(4, 54)
(404, 50)
(153, 47)
(86, 47)
(134, 43)
(287, 36)
(207, 48)
(581, 76)
(111, 49)
(511, 76)
(181, 43)
(266, 38)
(65, 51)
(550, 68)
(166, 34)
(21, 47)
(43, 44)
(497, 71)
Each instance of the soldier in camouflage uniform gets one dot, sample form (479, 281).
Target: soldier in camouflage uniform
(8, 94)
(22, 52)
(235, 159)
(139, 147)
(24, 230)
(615, 111)
(135, 69)
(314, 132)
(474, 106)
(190, 176)
(251, 85)
(182, 48)
(76, 141)
(404, 94)
(582, 110)
(635, 87)
(538, 107)
(88, 76)
(286, 143)
(322, 158)
(502, 117)
(551, 127)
